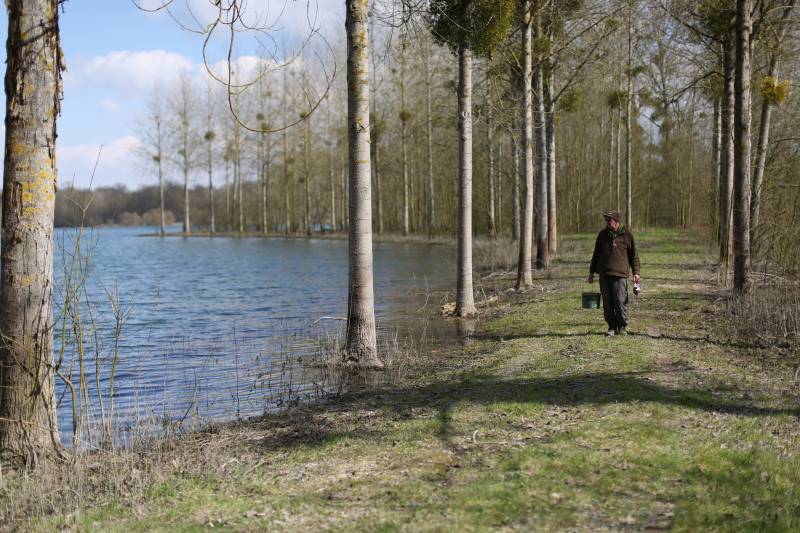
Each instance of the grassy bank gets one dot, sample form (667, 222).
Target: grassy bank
(537, 421)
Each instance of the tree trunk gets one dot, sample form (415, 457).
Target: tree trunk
(465, 304)
(514, 151)
(375, 144)
(228, 215)
(307, 170)
(287, 215)
(160, 157)
(331, 178)
(404, 138)
(618, 161)
(499, 185)
(628, 118)
(212, 224)
(361, 343)
(716, 146)
(429, 142)
(727, 166)
(267, 177)
(490, 221)
(33, 91)
(542, 249)
(524, 273)
(550, 124)
(742, 120)
(239, 179)
(187, 229)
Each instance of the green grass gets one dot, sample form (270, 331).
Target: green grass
(543, 424)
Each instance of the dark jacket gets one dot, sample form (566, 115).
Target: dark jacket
(614, 254)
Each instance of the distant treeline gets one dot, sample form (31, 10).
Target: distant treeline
(115, 206)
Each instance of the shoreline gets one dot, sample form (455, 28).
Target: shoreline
(535, 420)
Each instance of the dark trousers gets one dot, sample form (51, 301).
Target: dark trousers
(615, 301)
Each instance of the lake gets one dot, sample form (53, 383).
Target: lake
(217, 328)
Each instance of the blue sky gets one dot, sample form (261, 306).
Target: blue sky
(114, 53)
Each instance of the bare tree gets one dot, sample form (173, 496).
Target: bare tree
(184, 141)
(773, 92)
(153, 134)
(209, 137)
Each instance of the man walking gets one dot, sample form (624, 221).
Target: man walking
(614, 256)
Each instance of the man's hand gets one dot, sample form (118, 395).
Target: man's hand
(636, 278)
(590, 279)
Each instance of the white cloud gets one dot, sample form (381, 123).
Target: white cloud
(130, 72)
(110, 104)
(116, 163)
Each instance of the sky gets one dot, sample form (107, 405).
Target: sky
(115, 53)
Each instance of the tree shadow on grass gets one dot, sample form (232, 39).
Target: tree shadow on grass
(631, 334)
(360, 415)
(593, 389)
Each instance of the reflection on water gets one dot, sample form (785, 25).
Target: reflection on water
(219, 328)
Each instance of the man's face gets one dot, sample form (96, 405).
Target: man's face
(612, 224)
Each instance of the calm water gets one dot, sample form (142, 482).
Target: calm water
(214, 328)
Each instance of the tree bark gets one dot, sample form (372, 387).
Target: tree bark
(514, 151)
(287, 220)
(361, 343)
(490, 220)
(542, 181)
(307, 170)
(465, 303)
(618, 161)
(237, 175)
(376, 147)
(429, 142)
(404, 137)
(727, 162)
(33, 91)
(524, 273)
(209, 162)
(628, 118)
(550, 130)
(716, 146)
(331, 178)
(742, 123)
(266, 178)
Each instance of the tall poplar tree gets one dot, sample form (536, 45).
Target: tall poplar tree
(361, 348)
(467, 27)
